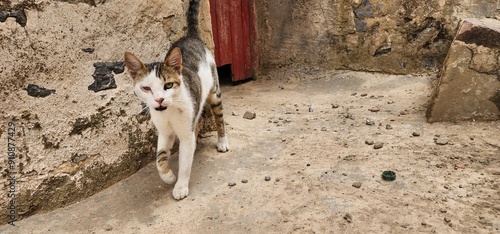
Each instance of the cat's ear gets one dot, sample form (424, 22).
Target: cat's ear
(174, 60)
(134, 65)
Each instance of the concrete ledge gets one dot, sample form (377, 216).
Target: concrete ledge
(469, 85)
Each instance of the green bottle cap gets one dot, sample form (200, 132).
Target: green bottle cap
(389, 175)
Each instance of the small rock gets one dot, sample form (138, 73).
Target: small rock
(441, 141)
(370, 122)
(460, 166)
(37, 91)
(311, 109)
(267, 178)
(354, 94)
(3, 16)
(356, 184)
(108, 228)
(231, 184)
(443, 210)
(244, 181)
(388, 127)
(446, 219)
(335, 106)
(378, 145)
(281, 87)
(88, 50)
(369, 142)
(234, 113)
(403, 113)
(415, 134)
(374, 109)
(324, 129)
(103, 76)
(249, 115)
(348, 217)
(364, 94)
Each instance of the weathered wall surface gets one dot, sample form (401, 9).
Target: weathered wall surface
(394, 36)
(75, 142)
(469, 85)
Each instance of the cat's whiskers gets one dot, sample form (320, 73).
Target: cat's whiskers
(144, 110)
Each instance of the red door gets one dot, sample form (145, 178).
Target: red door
(233, 32)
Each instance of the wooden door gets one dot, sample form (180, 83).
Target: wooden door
(233, 32)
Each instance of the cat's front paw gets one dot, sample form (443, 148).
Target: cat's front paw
(223, 145)
(169, 177)
(180, 191)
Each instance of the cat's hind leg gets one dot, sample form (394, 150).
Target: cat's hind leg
(165, 142)
(215, 102)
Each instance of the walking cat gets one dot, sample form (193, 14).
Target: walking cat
(176, 91)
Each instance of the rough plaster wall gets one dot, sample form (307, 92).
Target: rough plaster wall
(394, 36)
(76, 142)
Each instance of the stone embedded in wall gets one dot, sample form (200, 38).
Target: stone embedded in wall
(103, 75)
(496, 98)
(19, 15)
(469, 88)
(365, 10)
(37, 91)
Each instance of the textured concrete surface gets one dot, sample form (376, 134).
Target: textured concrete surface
(310, 137)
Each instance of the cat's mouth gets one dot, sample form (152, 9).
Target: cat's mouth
(161, 108)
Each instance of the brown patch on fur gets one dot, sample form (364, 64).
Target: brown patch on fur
(162, 160)
(172, 68)
(215, 101)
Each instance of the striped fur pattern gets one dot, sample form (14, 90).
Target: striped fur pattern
(176, 91)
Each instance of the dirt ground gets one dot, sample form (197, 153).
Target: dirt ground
(310, 137)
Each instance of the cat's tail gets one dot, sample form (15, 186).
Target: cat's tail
(192, 19)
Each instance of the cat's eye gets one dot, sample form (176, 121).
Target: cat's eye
(145, 88)
(168, 85)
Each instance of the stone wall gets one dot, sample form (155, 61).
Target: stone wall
(393, 36)
(71, 142)
(469, 84)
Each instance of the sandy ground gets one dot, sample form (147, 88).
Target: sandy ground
(309, 136)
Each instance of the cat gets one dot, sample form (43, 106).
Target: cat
(176, 91)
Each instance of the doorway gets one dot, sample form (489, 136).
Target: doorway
(233, 30)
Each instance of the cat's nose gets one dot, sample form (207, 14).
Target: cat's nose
(159, 100)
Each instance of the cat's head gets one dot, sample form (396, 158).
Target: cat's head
(157, 84)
